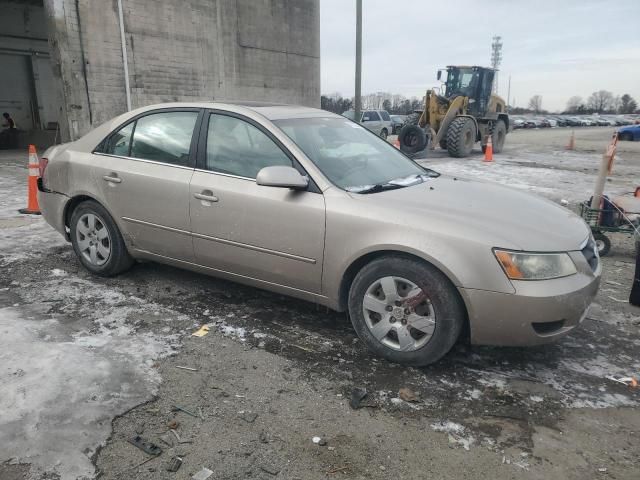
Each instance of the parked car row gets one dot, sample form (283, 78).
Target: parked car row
(378, 121)
(550, 121)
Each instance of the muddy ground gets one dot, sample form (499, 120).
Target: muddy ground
(88, 363)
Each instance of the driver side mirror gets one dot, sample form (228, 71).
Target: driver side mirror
(439, 74)
(282, 177)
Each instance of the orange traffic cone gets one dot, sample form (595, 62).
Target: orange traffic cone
(488, 150)
(572, 141)
(32, 199)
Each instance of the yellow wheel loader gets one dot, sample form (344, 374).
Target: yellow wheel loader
(467, 113)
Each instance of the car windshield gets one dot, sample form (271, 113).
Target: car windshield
(350, 114)
(351, 157)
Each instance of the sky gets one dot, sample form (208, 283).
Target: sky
(556, 49)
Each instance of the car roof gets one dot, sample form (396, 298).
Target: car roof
(272, 111)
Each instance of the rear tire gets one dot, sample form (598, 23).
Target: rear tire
(384, 134)
(603, 243)
(412, 139)
(461, 136)
(499, 136)
(418, 332)
(97, 241)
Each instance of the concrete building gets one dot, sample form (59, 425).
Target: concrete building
(69, 65)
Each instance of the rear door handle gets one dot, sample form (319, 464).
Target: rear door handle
(112, 179)
(205, 197)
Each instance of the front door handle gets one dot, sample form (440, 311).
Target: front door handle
(112, 178)
(206, 196)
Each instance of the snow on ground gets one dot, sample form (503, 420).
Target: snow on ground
(74, 354)
(557, 175)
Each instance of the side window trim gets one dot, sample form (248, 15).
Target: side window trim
(202, 147)
(99, 149)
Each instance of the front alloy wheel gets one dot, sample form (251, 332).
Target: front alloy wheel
(398, 314)
(405, 310)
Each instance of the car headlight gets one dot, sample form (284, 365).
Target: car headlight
(535, 266)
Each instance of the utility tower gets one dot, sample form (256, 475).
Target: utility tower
(496, 59)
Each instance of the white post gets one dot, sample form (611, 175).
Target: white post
(600, 182)
(125, 62)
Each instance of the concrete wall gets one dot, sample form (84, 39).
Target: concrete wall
(182, 50)
(27, 88)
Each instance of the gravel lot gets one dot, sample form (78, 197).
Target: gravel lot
(86, 363)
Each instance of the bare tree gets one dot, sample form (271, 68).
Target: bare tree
(535, 103)
(627, 104)
(601, 101)
(574, 104)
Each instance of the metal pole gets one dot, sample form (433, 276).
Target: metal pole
(125, 62)
(509, 93)
(358, 107)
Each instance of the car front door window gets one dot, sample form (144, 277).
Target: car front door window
(236, 147)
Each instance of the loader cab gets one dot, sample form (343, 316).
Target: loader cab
(473, 82)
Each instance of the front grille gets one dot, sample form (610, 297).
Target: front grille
(590, 252)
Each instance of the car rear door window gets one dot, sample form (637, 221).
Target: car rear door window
(164, 137)
(236, 147)
(119, 142)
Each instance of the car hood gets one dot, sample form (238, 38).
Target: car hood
(488, 212)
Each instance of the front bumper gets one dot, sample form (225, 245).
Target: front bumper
(537, 313)
(52, 205)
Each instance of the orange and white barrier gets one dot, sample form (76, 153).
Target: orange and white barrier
(32, 196)
(488, 150)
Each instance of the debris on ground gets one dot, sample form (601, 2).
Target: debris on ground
(188, 412)
(357, 395)
(270, 469)
(201, 332)
(145, 445)
(187, 368)
(630, 382)
(337, 470)
(408, 395)
(319, 441)
(202, 474)
(167, 439)
(174, 464)
(173, 424)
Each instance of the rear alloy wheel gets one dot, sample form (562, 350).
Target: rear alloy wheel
(97, 240)
(498, 137)
(405, 310)
(461, 136)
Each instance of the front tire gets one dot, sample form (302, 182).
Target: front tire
(405, 310)
(384, 134)
(461, 136)
(97, 241)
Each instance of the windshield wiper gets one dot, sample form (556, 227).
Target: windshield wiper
(378, 187)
